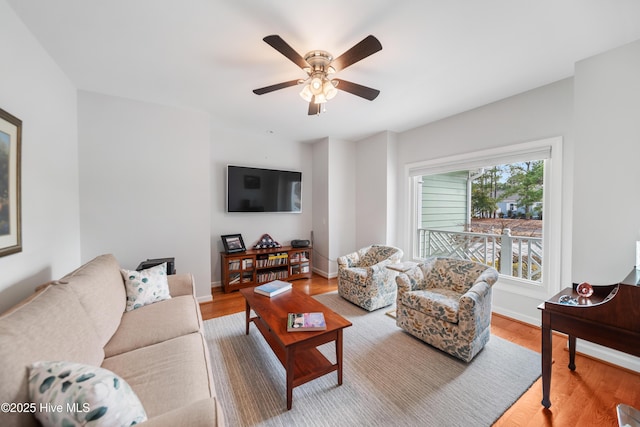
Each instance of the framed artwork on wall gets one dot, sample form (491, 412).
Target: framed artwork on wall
(233, 243)
(10, 200)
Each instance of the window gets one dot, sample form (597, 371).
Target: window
(492, 206)
(469, 214)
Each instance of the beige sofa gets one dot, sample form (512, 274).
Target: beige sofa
(158, 349)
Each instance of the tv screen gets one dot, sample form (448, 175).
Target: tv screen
(263, 190)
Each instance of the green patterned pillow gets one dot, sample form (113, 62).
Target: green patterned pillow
(70, 394)
(146, 286)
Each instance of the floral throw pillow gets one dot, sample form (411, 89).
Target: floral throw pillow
(146, 286)
(73, 394)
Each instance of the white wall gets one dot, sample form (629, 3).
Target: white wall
(342, 201)
(321, 261)
(144, 184)
(606, 223)
(376, 195)
(263, 151)
(334, 195)
(34, 89)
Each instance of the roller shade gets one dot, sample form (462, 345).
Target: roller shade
(486, 158)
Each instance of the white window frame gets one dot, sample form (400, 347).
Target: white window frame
(549, 149)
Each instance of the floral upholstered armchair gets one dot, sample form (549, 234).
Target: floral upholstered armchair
(447, 303)
(364, 279)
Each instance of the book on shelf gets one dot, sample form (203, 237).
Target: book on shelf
(273, 288)
(303, 322)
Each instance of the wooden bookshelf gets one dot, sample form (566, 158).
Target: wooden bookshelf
(257, 266)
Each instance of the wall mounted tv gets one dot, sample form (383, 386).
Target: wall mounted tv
(263, 190)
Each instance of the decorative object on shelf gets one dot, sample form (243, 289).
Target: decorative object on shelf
(233, 243)
(300, 243)
(10, 194)
(267, 242)
(584, 289)
(273, 288)
(567, 300)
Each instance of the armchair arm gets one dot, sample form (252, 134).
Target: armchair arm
(411, 280)
(404, 283)
(475, 308)
(489, 276)
(380, 268)
(349, 260)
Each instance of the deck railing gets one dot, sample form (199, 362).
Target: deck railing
(518, 256)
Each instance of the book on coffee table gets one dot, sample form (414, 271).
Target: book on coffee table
(303, 322)
(273, 288)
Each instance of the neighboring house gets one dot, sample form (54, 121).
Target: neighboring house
(510, 208)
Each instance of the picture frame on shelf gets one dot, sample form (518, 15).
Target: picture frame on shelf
(233, 243)
(10, 193)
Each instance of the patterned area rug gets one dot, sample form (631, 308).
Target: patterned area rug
(390, 378)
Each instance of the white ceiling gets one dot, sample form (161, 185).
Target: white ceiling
(439, 57)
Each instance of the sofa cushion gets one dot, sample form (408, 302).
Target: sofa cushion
(203, 413)
(168, 375)
(86, 395)
(155, 323)
(53, 325)
(439, 303)
(100, 288)
(146, 286)
(181, 284)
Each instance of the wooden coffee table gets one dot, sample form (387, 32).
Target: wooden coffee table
(296, 351)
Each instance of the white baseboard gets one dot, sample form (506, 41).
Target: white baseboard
(205, 298)
(324, 273)
(608, 355)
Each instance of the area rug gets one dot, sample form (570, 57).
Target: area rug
(390, 378)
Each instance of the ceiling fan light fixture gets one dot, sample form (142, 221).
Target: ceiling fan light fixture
(329, 90)
(320, 99)
(306, 93)
(316, 84)
(319, 65)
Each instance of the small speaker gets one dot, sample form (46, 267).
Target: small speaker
(300, 243)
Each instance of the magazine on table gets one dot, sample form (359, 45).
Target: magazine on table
(303, 322)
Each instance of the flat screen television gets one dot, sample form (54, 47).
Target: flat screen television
(263, 190)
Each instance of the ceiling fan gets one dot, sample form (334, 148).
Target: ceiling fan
(319, 65)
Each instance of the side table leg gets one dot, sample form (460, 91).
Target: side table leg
(572, 352)
(339, 355)
(546, 358)
(247, 316)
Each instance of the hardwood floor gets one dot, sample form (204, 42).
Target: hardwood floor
(586, 397)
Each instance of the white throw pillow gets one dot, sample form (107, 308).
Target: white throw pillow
(73, 394)
(146, 286)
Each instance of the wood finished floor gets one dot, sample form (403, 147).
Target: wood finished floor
(586, 397)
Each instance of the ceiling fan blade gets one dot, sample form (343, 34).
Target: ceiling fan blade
(368, 46)
(281, 46)
(278, 86)
(356, 89)
(313, 107)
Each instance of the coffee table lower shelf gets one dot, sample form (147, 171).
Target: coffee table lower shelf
(302, 360)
